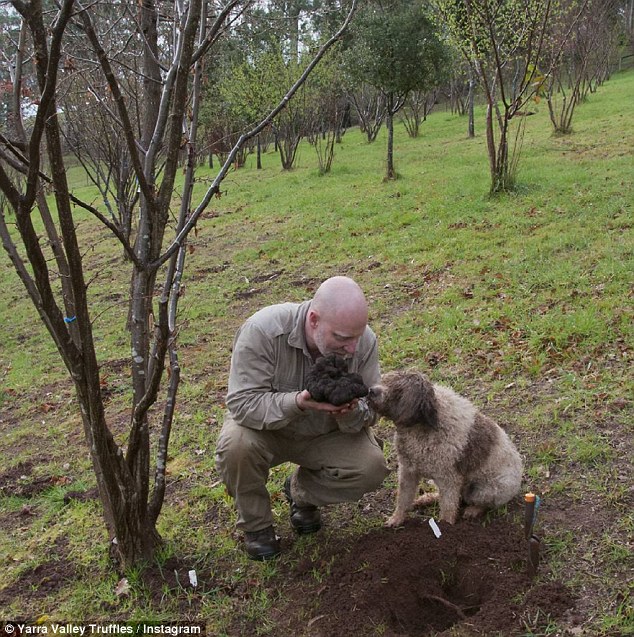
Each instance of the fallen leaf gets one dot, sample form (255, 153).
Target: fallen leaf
(122, 588)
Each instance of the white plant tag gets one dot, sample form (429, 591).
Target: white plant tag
(193, 580)
(434, 527)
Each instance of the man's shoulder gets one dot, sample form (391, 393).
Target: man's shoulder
(367, 342)
(276, 319)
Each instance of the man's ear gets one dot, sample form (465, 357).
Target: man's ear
(313, 318)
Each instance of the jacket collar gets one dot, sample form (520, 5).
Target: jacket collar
(297, 337)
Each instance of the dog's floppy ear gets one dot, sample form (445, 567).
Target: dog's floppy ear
(419, 404)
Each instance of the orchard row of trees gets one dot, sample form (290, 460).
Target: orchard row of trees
(398, 57)
(404, 57)
(139, 91)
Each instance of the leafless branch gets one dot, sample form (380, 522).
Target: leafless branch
(215, 186)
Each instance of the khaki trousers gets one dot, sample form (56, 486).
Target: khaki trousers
(333, 467)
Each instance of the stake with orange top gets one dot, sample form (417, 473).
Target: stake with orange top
(530, 514)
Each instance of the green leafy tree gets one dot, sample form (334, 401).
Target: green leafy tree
(395, 48)
(504, 41)
(243, 91)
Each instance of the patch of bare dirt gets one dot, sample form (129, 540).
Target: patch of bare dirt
(407, 582)
(40, 581)
(19, 481)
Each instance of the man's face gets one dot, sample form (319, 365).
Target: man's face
(337, 337)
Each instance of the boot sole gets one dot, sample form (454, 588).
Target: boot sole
(306, 530)
(264, 557)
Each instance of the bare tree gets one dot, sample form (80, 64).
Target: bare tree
(370, 107)
(570, 57)
(327, 110)
(460, 92)
(162, 45)
(582, 48)
(504, 42)
(418, 105)
(289, 128)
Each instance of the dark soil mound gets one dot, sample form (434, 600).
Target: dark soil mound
(408, 582)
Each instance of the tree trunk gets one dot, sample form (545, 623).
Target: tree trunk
(390, 173)
(153, 143)
(470, 107)
(133, 536)
(502, 179)
(491, 149)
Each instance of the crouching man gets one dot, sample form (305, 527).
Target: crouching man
(272, 419)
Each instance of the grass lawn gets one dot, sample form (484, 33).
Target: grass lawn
(523, 302)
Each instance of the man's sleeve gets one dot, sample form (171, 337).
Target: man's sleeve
(251, 397)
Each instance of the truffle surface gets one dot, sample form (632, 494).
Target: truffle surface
(329, 381)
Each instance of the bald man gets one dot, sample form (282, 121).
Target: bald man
(272, 419)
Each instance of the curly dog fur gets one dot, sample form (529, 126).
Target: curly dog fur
(442, 435)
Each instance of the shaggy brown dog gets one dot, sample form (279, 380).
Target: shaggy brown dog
(442, 436)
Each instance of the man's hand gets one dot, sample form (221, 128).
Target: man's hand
(305, 401)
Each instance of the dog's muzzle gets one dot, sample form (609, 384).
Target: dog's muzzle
(374, 394)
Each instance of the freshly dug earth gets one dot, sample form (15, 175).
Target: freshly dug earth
(472, 580)
(406, 582)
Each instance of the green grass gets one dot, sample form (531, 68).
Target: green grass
(522, 301)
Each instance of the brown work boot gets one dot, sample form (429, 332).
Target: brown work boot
(304, 519)
(262, 545)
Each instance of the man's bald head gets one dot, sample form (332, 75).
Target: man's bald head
(337, 317)
(340, 295)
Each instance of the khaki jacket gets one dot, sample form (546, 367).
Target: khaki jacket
(269, 364)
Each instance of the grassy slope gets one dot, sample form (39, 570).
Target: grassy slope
(524, 302)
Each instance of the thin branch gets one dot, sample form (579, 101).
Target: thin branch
(217, 26)
(7, 187)
(158, 494)
(215, 186)
(127, 127)
(17, 261)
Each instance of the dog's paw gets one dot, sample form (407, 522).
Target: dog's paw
(426, 499)
(449, 517)
(394, 521)
(473, 511)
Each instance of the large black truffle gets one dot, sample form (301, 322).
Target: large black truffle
(330, 382)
